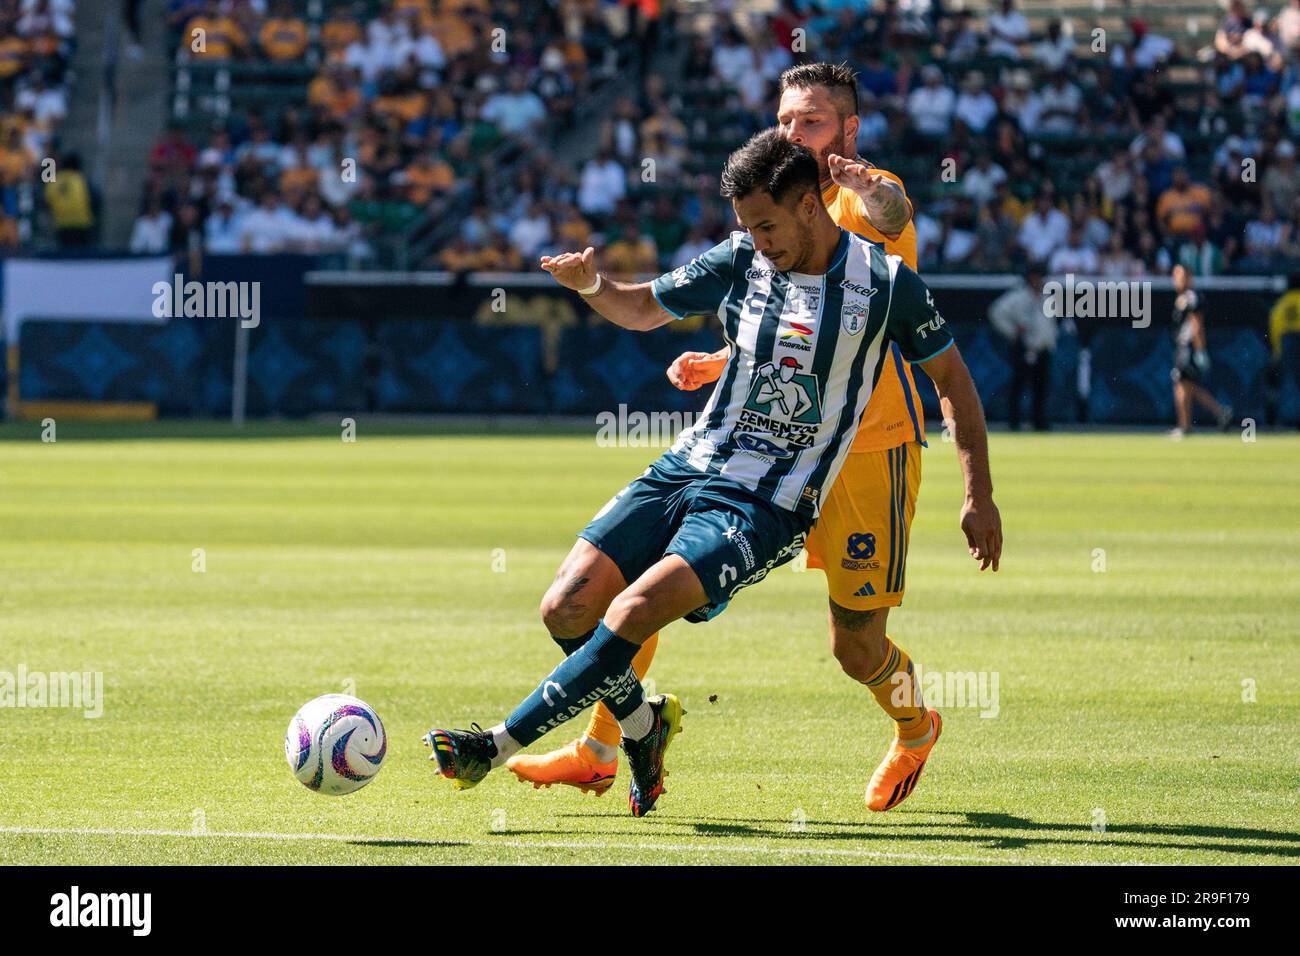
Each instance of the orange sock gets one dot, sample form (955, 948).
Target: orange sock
(603, 726)
(895, 691)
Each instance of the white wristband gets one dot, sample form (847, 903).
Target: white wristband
(594, 288)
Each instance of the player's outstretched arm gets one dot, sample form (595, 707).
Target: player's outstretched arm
(629, 304)
(961, 407)
(887, 206)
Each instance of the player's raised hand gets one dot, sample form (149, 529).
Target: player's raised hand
(690, 370)
(573, 270)
(982, 525)
(856, 176)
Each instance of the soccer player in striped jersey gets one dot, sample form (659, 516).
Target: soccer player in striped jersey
(738, 492)
(861, 536)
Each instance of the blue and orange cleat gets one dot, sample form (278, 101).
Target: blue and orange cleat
(898, 774)
(574, 765)
(464, 756)
(645, 757)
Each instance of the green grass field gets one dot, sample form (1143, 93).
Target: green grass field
(1162, 692)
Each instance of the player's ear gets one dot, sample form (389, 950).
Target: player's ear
(851, 126)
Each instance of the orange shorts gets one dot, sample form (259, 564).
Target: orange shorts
(860, 539)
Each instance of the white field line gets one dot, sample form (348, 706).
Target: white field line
(537, 844)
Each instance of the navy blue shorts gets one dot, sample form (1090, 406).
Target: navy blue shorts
(730, 536)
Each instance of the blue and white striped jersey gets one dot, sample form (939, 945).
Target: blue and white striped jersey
(806, 351)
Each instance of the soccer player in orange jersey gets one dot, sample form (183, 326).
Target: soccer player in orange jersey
(861, 536)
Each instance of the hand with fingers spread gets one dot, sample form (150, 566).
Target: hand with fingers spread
(573, 270)
(982, 525)
(850, 174)
(690, 370)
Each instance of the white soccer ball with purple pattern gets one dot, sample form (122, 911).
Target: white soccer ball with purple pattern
(335, 744)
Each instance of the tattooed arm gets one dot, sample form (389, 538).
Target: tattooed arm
(888, 208)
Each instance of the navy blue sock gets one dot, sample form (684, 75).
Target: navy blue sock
(599, 670)
(571, 644)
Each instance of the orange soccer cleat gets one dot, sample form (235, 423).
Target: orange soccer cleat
(899, 772)
(574, 765)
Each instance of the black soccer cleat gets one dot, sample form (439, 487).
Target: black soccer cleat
(464, 756)
(645, 757)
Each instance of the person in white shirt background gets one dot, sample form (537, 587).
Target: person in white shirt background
(1020, 316)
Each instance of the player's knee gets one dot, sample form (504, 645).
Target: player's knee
(629, 614)
(854, 657)
(562, 616)
(857, 640)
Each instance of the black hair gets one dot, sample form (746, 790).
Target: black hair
(770, 162)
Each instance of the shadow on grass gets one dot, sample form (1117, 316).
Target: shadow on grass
(397, 844)
(980, 830)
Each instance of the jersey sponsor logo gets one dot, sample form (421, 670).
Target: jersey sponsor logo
(785, 390)
(933, 325)
(785, 554)
(855, 311)
(782, 404)
(861, 549)
(737, 537)
(855, 287)
(809, 297)
(762, 447)
(752, 274)
(796, 337)
(862, 545)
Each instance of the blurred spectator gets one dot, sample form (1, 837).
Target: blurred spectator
(1074, 256)
(213, 35)
(1281, 184)
(974, 106)
(516, 111)
(1231, 35)
(666, 228)
(69, 200)
(631, 254)
(223, 232)
(284, 36)
(980, 183)
(1043, 230)
(931, 105)
(532, 231)
(1019, 316)
(1181, 209)
(1054, 110)
(602, 185)
(1055, 51)
(1116, 262)
(152, 231)
(1007, 29)
(1265, 236)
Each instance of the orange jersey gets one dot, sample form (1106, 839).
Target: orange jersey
(893, 415)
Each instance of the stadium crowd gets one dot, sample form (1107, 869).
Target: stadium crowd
(406, 103)
(1017, 148)
(442, 119)
(36, 45)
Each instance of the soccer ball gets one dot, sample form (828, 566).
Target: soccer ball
(335, 744)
